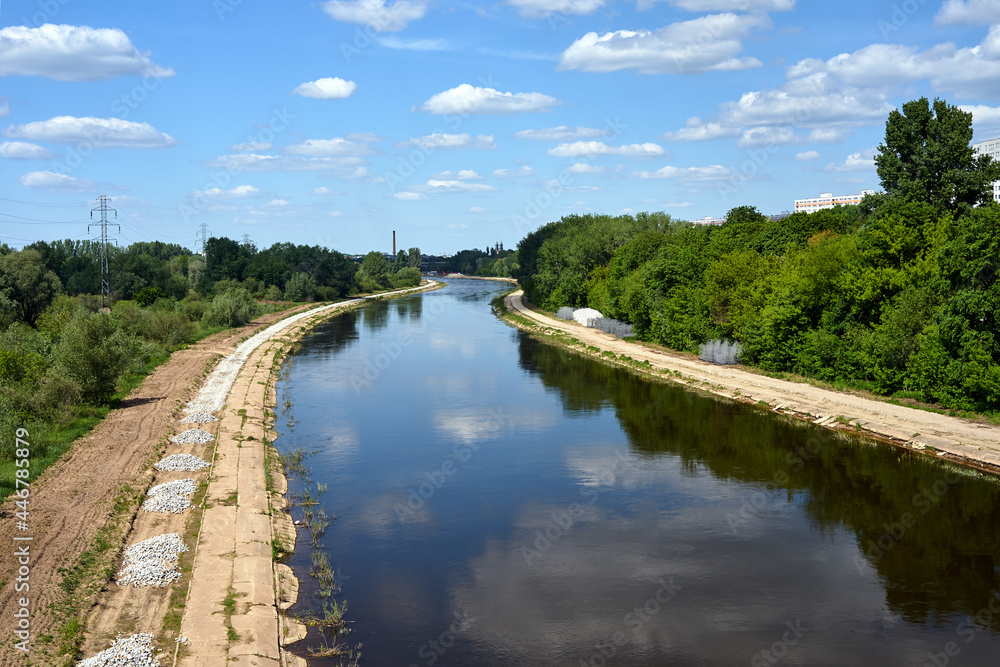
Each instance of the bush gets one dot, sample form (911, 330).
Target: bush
(300, 287)
(273, 293)
(167, 327)
(326, 293)
(95, 351)
(147, 296)
(193, 306)
(232, 309)
(408, 277)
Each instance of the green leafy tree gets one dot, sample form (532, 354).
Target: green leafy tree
(28, 284)
(927, 157)
(95, 352)
(301, 287)
(232, 309)
(413, 258)
(373, 273)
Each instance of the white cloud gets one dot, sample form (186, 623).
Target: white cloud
(756, 137)
(829, 135)
(688, 47)
(467, 99)
(561, 133)
(394, 42)
(462, 175)
(339, 167)
(435, 185)
(410, 196)
(555, 185)
(692, 175)
(545, 8)
(239, 192)
(96, 132)
(48, 181)
(19, 150)
(73, 53)
(966, 71)
(585, 148)
(450, 142)
(336, 214)
(4, 108)
(700, 131)
(808, 156)
(862, 160)
(583, 168)
(985, 119)
(252, 147)
(327, 88)
(968, 12)
(376, 14)
(725, 5)
(325, 191)
(327, 148)
(514, 173)
(278, 203)
(477, 209)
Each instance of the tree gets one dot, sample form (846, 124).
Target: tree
(413, 258)
(373, 273)
(927, 157)
(28, 283)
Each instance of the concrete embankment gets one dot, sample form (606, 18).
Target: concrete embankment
(970, 442)
(233, 613)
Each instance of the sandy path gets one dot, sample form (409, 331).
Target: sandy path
(961, 439)
(71, 501)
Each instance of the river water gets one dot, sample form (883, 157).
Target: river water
(500, 501)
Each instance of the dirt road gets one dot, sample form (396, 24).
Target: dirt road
(73, 501)
(959, 439)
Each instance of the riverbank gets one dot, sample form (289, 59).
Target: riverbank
(85, 508)
(961, 440)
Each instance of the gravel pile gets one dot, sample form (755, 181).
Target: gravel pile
(152, 562)
(185, 462)
(200, 418)
(192, 436)
(133, 651)
(173, 497)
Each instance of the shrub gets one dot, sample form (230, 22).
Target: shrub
(408, 277)
(147, 296)
(167, 327)
(273, 293)
(300, 287)
(232, 309)
(95, 351)
(326, 293)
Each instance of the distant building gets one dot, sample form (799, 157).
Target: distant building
(990, 147)
(827, 200)
(709, 220)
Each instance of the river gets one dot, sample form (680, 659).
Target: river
(500, 501)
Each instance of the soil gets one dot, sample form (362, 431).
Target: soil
(71, 502)
(966, 441)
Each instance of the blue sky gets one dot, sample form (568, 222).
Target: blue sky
(457, 124)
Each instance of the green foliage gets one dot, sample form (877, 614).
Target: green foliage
(232, 309)
(148, 296)
(94, 352)
(373, 274)
(27, 284)
(927, 157)
(406, 277)
(301, 287)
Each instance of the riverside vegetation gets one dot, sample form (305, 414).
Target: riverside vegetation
(64, 364)
(897, 296)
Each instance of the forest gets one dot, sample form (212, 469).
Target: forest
(897, 296)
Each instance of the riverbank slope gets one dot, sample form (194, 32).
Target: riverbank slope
(962, 440)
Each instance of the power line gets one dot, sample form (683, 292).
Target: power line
(202, 236)
(105, 275)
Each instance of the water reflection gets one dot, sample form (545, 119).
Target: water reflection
(926, 529)
(559, 512)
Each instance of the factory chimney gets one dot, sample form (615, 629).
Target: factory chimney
(394, 242)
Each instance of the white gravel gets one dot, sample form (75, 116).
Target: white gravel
(587, 316)
(185, 462)
(192, 436)
(152, 562)
(173, 497)
(132, 651)
(200, 418)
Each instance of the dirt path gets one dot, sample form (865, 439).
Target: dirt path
(959, 439)
(73, 500)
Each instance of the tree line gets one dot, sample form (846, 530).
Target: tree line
(63, 363)
(898, 295)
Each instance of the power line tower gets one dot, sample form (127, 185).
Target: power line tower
(202, 236)
(246, 240)
(105, 274)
